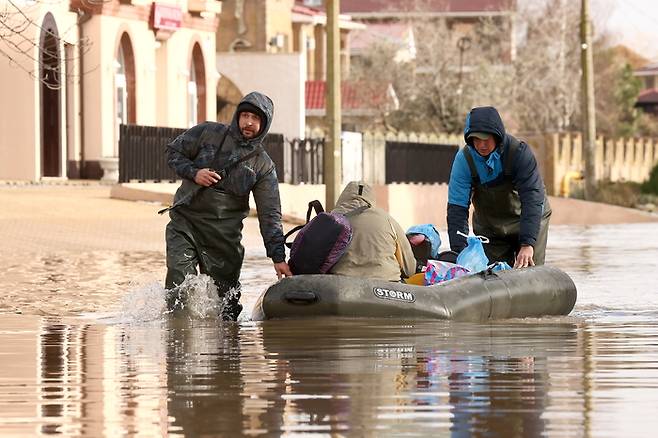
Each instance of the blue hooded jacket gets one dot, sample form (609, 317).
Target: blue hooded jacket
(525, 177)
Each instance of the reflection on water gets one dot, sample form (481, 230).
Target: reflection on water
(614, 267)
(594, 373)
(559, 377)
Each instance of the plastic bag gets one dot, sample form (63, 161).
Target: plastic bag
(437, 271)
(473, 257)
(499, 266)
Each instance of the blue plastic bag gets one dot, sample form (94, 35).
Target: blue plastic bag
(499, 266)
(473, 257)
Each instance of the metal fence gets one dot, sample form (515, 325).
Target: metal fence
(306, 161)
(419, 162)
(142, 155)
(403, 159)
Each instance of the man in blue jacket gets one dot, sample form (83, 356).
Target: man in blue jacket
(500, 175)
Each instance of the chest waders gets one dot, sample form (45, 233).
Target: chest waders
(207, 233)
(497, 214)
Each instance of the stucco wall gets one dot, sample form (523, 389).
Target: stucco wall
(178, 52)
(20, 111)
(409, 204)
(19, 120)
(101, 136)
(280, 76)
(262, 19)
(160, 87)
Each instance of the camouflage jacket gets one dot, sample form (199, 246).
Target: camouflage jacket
(197, 148)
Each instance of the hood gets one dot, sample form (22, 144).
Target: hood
(432, 235)
(484, 119)
(351, 199)
(262, 102)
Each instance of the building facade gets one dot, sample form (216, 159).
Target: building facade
(86, 67)
(277, 47)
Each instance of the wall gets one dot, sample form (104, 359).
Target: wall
(255, 24)
(280, 76)
(178, 53)
(621, 159)
(409, 204)
(20, 112)
(374, 150)
(161, 86)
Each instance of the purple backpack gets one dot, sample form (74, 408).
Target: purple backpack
(321, 242)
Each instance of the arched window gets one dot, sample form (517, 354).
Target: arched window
(196, 88)
(124, 84)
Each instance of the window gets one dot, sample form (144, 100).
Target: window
(196, 88)
(192, 98)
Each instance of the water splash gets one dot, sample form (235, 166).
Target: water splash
(195, 298)
(143, 304)
(197, 295)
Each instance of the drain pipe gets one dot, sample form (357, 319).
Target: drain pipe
(83, 17)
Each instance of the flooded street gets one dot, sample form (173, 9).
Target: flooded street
(92, 355)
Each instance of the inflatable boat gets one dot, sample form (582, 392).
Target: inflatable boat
(517, 293)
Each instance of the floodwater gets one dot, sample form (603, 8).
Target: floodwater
(95, 356)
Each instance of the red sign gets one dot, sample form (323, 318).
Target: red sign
(166, 17)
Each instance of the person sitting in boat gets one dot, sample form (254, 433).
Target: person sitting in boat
(379, 247)
(500, 175)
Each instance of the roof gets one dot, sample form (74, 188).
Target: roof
(351, 96)
(648, 97)
(306, 14)
(448, 7)
(397, 33)
(648, 70)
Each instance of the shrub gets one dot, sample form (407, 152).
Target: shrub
(624, 194)
(651, 185)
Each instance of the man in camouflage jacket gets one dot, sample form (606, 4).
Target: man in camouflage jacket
(220, 165)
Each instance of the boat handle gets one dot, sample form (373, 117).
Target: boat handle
(300, 297)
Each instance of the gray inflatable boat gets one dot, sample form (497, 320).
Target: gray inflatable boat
(516, 293)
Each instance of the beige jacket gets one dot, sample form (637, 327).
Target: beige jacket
(379, 247)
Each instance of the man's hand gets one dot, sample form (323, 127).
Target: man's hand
(524, 257)
(282, 270)
(206, 177)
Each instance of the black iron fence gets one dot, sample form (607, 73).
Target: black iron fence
(298, 161)
(419, 162)
(142, 154)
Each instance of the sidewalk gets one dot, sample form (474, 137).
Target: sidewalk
(408, 203)
(81, 217)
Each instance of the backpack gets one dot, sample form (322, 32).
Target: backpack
(321, 242)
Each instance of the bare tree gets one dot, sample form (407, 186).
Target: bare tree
(546, 86)
(452, 71)
(537, 87)
(26, 43)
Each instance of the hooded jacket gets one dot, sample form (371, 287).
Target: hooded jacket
(197, 149)
(379, 247)
(526, 178)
